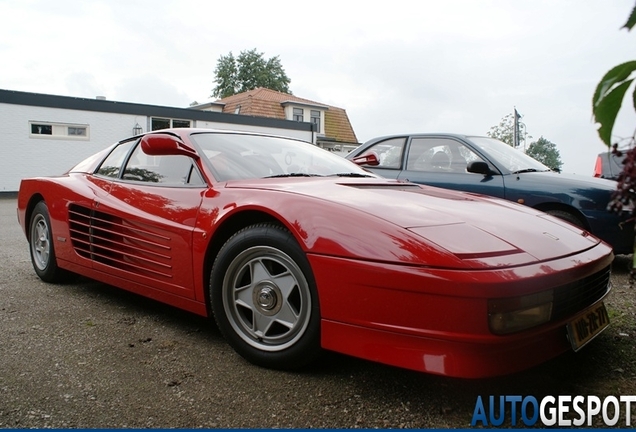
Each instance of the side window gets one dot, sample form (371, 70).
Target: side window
(389, 152)
(168, 170)
(439, 155)
(113, 163)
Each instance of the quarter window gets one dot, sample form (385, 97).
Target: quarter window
(111, 166)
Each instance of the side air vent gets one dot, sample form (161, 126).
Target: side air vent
(118, 243)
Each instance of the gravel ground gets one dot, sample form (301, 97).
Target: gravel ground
(86, 355)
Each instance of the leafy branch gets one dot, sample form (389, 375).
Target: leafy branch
(606, 104)
(610, 92)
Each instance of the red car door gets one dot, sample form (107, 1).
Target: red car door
(142, 226)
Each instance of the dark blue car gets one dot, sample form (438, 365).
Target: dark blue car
(488, 166)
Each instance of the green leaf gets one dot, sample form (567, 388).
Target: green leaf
(612, 77)
(631, 20)
(606, 110)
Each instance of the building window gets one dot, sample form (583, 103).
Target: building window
(41, 129)
(77, 131)
(160, 123)
(315, 119)
(299, 114)
(165, 123)
(58, 130)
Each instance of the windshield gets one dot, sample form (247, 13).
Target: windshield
(237, 156)
(507, 157)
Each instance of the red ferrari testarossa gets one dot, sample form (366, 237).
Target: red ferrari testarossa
(293, 250)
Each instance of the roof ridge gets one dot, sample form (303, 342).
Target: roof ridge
(274, 95)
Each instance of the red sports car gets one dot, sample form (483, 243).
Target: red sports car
(294, 250)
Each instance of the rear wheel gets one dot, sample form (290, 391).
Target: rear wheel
(41, 246)
(264, 298)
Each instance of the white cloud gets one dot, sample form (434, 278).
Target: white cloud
(150, 89)
(455, 66)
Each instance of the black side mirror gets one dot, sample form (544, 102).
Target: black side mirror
(478, 167)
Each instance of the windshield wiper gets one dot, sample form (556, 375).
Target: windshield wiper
(295, 174)
(351, 174)
(526, 170)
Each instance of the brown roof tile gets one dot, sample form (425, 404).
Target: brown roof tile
(262, 102)
(338, 126)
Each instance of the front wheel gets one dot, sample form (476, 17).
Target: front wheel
(41, 246)
(264, 298)
(568, 217)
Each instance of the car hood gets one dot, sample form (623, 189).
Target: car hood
(467, 225)
(585, 193)
(572, 180)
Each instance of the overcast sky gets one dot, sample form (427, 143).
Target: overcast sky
(399, 66)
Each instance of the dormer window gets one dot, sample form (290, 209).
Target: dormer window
(299, 114)
(303, 111)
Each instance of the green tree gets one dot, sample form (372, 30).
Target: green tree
(248, 71)
(545, 152)
(504, 131)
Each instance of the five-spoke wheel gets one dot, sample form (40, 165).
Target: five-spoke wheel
(41, 246)
(264, 298)
(40, 241)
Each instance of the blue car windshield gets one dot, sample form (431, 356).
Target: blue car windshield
(507, 157)
(242, 156)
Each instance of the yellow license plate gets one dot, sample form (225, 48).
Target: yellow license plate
(587, 325)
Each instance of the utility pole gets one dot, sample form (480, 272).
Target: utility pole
(516, 133)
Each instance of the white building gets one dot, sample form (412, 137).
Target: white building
(42, 135)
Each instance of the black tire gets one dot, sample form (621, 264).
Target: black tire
(568, 217)
(264, 298)
(41, 246)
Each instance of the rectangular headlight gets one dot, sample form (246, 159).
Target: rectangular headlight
(511, 315)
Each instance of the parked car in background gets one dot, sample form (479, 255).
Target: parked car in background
(608, 165)
(293, 250)
(487, 166)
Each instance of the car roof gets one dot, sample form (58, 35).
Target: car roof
(180, 131)
(427, 134)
